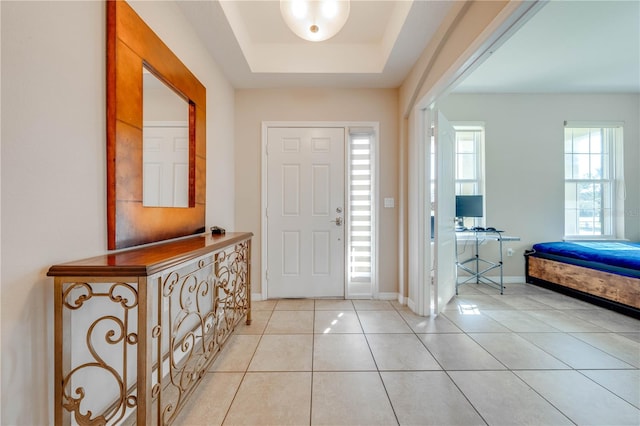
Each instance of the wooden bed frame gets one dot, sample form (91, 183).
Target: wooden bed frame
(616, 292)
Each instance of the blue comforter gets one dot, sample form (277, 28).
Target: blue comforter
(615, 253)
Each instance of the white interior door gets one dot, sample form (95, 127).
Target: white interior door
(305, 212)
(445, 241)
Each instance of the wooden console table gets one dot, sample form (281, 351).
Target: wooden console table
(136, 330)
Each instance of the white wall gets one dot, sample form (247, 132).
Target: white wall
(53, 169)
(524, 162)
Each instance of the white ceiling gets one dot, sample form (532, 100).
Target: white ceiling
(377, 47)
(568, 46)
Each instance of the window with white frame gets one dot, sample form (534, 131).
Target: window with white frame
(469, 162)
(361, 225)
(591, 169)
(469, 165)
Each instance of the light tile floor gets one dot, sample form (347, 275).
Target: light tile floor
(530, 356)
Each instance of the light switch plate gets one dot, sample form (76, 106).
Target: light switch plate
(389, 203)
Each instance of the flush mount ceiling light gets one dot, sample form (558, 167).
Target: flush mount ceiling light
(315, 20)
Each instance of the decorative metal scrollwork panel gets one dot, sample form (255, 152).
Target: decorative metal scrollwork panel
(232, 288)
(186, 340)
(97, 389)
(202, 305)
(190, 310)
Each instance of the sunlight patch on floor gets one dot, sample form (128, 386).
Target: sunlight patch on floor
(468, 309)
(334, 322)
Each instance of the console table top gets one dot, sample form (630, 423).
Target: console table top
(147, 260)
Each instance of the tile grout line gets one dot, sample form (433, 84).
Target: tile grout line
(570, 368)
(507, 369)
(313, 345)
(375, 363)
(246, 370)
(445, 371)
(412, 331)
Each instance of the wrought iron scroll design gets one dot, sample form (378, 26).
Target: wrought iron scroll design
(205, 305)
(232, 268)
(105, 334)
(194, 310)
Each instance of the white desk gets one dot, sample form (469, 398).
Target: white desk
(479, 266)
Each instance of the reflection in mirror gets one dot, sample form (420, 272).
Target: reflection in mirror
(165, 157)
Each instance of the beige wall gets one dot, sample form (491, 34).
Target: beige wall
(53, 169)
(462, 26)
(255, 106)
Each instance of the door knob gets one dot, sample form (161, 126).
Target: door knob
(338, 221)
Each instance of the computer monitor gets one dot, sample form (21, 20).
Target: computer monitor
(469, 206)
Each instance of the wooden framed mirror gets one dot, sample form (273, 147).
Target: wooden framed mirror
(131, 48)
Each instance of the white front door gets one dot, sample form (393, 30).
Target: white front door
(305, 212)
(445, 240)
(165, 166)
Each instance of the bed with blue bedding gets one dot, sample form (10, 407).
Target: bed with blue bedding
(603, 272)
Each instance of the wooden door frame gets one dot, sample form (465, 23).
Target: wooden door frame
(346, 125)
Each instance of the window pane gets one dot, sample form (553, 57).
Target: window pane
(568, 140)
(568, 166)
(433, 160)
(607, 196)
(595, 167)
(590, 211)
(467, 188)
(581, 166)
(570, 196)
(606, 161)
(581, 141)
(586, 223)
(585, 196)
(607, 222)
(570, 222)
(466, 166)
(609, 136)
(459, 166)
(595, 139)
(466, 144)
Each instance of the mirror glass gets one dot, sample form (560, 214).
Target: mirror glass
(165, 133)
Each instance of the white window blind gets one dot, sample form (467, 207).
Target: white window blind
(361, 208)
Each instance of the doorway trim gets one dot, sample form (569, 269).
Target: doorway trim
(512, 17)
(348, 126)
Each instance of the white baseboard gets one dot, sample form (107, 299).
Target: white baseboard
(256, 297)
(387, 296)
(411, 304)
